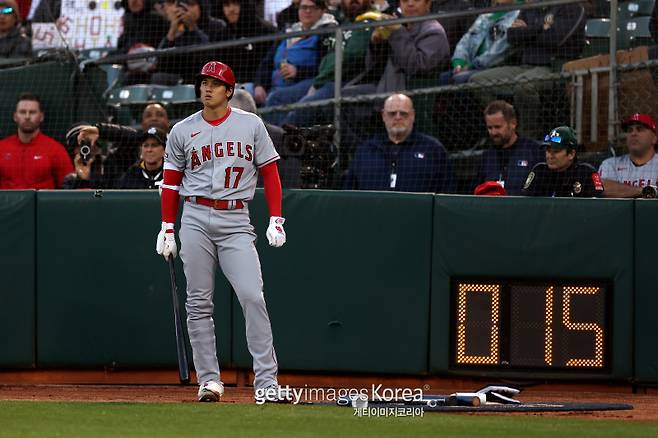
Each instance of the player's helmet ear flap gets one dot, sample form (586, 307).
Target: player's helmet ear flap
(217, 70)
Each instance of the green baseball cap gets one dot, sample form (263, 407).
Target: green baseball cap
(562, 137)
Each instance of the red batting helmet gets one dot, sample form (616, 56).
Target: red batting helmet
(490, 188)
(217, 70)
(643, 119)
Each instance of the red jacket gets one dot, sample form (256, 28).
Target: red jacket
(41, 164)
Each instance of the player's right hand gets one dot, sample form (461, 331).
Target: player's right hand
(166, 244)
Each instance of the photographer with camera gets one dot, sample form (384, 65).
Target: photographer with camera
(402, 159)
(635, 174)
(124, 139)
(92, 169)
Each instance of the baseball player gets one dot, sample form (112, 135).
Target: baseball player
(211, 161)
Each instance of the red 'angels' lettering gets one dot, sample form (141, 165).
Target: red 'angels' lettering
(221, 150)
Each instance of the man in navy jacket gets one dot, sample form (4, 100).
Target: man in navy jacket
(509, 160)
(401, 159)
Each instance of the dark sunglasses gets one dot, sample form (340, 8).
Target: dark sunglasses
(6, 11)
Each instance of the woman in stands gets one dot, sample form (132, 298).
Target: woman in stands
(287, 71)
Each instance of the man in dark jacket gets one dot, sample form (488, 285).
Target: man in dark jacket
(147, 174)
(402, 159)
(546, 37)
(510, 158)
(13, 41)
(140, 25)
(243, 22)
(562, 176)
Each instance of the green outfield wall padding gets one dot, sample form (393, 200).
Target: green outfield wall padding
(53, 82)
(17, 264)
(646, 291)
(349, 291)
(103, 295)
(524, 238)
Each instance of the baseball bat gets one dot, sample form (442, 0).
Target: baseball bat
(181, 349)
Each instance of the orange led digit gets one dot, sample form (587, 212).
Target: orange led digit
(462, 296)
(548, 330)
(597, 361)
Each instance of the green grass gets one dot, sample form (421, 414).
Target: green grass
(46, 419)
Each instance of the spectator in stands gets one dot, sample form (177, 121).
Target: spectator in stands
(140, 25)
(14, 43)
(546, 37)
(562, 175)
(183, 30)
(243, 22)
(288, 16)
(510, 156)
(124, 152)
(626, 176)
(355, 48)
(483, 46)
(30, 159)
(147, 173)
(402, 159)
(454, 27)
(143, 30)
(413, 53)
(287, 71)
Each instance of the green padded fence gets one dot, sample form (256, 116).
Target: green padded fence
(104, 297)
(17, 264)
(350, 289)
(646, 291)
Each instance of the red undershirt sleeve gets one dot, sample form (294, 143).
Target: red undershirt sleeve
(272, 185)
(169, 200)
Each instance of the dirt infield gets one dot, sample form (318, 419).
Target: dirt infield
(645, 405)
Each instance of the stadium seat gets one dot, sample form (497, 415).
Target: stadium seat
(635, 8)
(597, 35)
(174, 95)
(130, 95)
(633, 33)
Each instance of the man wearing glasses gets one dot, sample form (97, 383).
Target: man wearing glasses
(13, 42)
(562, 175)
(402, 159)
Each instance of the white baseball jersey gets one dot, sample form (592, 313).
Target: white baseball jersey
(623, 170)
(219, 162)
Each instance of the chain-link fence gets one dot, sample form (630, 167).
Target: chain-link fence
(482, 86)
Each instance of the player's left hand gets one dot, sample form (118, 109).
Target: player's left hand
(275, 233)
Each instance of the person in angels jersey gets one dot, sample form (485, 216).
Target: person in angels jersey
(562, 176)
(211, 160)
(627, 176)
